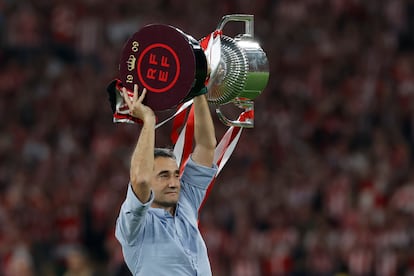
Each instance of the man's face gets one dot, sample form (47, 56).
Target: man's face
(165, 184)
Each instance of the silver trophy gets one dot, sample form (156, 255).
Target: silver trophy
(241, 73)
(174, 67)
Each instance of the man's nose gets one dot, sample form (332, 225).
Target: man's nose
(173, 183)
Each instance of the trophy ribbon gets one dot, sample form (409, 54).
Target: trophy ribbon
(212, 48)
(184, 144)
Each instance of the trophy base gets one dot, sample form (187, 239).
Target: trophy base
(168, 63)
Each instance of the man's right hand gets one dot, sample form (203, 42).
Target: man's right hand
(136, 108)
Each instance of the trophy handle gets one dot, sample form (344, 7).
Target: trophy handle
(247, 18)
(247, 105)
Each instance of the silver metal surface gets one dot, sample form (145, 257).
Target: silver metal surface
(231, 74)
(242, 73)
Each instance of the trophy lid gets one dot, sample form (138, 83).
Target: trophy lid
(161, 59)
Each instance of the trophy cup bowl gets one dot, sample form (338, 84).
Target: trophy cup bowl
(242, 72)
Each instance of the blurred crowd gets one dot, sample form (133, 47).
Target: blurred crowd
(322, 185)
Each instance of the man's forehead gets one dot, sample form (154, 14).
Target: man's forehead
(165, 164)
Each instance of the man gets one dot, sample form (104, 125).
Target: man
(157, 224)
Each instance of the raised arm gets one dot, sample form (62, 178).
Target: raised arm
(142, 160)
(204, 133)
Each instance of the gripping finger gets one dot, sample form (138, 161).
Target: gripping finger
(126, 97)
(142, 96)
(135, 97)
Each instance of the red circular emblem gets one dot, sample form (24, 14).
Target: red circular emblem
(164, 60)
(158, 67)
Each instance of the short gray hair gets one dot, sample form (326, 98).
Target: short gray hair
(164, 152)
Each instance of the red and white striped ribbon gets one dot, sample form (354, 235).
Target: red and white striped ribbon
(183, 143)
(185, 140)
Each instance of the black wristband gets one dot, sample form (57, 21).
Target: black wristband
(193, 94)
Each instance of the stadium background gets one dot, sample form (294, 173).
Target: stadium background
(322, 185)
